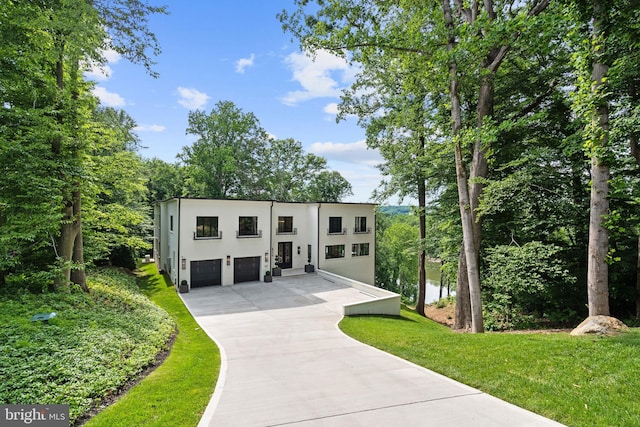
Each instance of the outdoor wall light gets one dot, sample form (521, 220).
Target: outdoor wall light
(266, 257)
(184, 263)
(228, 259)
(298, 250)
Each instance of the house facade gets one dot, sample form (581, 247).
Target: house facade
(211, 242)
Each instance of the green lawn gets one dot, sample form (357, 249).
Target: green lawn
(578, 381)
(178, 391)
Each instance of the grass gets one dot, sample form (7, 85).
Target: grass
(95, 345)
(178, 391)
(578, 381)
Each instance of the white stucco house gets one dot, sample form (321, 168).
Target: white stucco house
(210, 242)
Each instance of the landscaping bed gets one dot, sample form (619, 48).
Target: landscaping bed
(95, 346)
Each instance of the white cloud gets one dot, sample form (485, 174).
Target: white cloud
(192, 98)
(331, 108)
(243, 63)
(109, 99)
(317, 76)
(103, 72)
(355, 152)
(149, 128)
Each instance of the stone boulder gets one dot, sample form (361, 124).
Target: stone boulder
(600, 325)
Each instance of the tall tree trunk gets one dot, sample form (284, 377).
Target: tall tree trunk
(638, 281)
(634, 146)
(422, 275)
(70, 244)
(466, 213)
(78, 275)
(597, 267)
(463, 301)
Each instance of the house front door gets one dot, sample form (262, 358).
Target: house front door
(285, 252)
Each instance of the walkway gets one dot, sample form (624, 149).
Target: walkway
(286, 363)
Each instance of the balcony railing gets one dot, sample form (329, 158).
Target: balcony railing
(249, 236)
(196, 237)
(336, 233)
(362, 230)
(292, 231)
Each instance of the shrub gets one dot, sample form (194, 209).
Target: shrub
(519, 288)
(97, 343)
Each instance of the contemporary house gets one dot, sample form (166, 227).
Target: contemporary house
(210, 242)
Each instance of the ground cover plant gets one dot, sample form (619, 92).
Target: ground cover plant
(178, 391)
(578, 381)
(97, 343)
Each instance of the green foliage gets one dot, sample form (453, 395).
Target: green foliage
(53, 137)
(97, 342)
(178, 391)
(523, 285)
(577, 381)
(234, 158)
(397, 241)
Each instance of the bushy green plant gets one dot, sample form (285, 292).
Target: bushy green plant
(519, 288)
(97, 342)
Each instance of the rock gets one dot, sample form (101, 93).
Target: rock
(600, 325)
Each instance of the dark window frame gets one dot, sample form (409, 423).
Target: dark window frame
(248, 226)
(285, 224)
(360, 249)
(207, 227)
(334, 251)
(335, 225)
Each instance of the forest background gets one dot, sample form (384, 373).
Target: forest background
(514, 124)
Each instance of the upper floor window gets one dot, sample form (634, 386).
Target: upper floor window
(171, 223)
(285, 224)
(207, 227)
(360, 249)
(361, 225)
(334, 251)
(335, 225)
(248, 226)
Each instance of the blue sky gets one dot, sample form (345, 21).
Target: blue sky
(237, 51)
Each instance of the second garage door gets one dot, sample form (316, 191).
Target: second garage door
(246, 269)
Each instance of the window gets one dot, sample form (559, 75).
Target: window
(285, 224)
(360, 249)
(361, 225)
(334, 251)
(335, 225)
(171, 223)
(206, 227)
(248, 226)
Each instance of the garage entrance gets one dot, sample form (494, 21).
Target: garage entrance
(206, 273)
(246, 269)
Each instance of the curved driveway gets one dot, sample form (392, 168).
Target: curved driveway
(284, 362)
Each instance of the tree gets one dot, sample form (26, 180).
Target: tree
(606, 71)
(476, 38)
(224, 162)
(49, 45)
(327, 186)
(117, 217)
(164, 179)
(291, 172)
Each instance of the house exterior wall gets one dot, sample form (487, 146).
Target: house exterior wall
(175, 249)
(361, 268)
(230, 244)
(305, 233)
(166, 214)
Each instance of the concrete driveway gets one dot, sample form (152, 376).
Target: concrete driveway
(285, 362)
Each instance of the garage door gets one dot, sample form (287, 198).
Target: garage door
(246, 269)
(206, 273)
